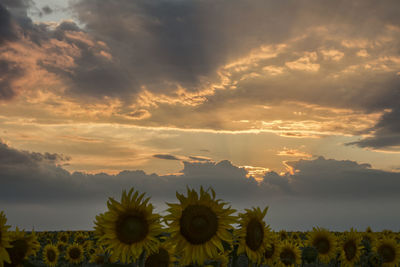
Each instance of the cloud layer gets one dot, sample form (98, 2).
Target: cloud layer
(30, 178)
(297, 68)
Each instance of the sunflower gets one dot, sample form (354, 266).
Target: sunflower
(389, 251)
(283, 235)
(50, 255)
(271, 253)
(61, 247)
(289, 254)
(74, 253)
(130, 227)
(325, 243)
(350, 248)
(22, 246)
(80, 238)
(99, 225)
(99, 257)
(253, 234)
(63, 237)
(4, 240)
(199, 225)
(164, 257)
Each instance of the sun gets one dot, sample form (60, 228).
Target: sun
(325, 243)
(199, 225)
(50, 255)
(4, 240)
(130, 227)
(253, 234)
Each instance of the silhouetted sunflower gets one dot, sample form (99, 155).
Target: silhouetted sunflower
(289, 254)
(389, 251)
(253, 234)
(325, 243)
(74, 254)
(271, 253)
(164, 257)
(22, 246)
(199, 225)
(63, 237)
(130, 227)
(50, 255)
(350, 248)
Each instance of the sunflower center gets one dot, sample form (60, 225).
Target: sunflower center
(287, 257)
(269, 252)
(75, 253)
(387, 252)
(350, 250)
(63, 238)
(132, 229)
(160, 259)
(322, 244)
(254, 234)
(51, 255)
(198, 224)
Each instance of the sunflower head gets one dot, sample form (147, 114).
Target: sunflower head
(23, 245)
(325, 243)
(99, 257)
(199, 225)
(289, 254)
(350, 248)
(272, 250)
(50, 255)
(63, 237)
(130, 227)
(389, 251)
(74, 253)
(253, 234)
(164, 257)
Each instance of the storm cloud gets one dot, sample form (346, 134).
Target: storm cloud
(30, 178)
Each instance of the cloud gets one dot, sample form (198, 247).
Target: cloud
(198, 158)
(47, 10)
(176, 62)
(165, 156)
(36, 180)
(386, 133)
(6, 27)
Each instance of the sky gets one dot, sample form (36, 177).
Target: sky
(290, 104)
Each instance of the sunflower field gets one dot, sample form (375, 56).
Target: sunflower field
(199, 230)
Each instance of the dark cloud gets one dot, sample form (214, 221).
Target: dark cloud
(47, 10)
(320, 186)
(165, 156)
(7, 31)
(328, 178)
(386, 133)
(199, 158)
